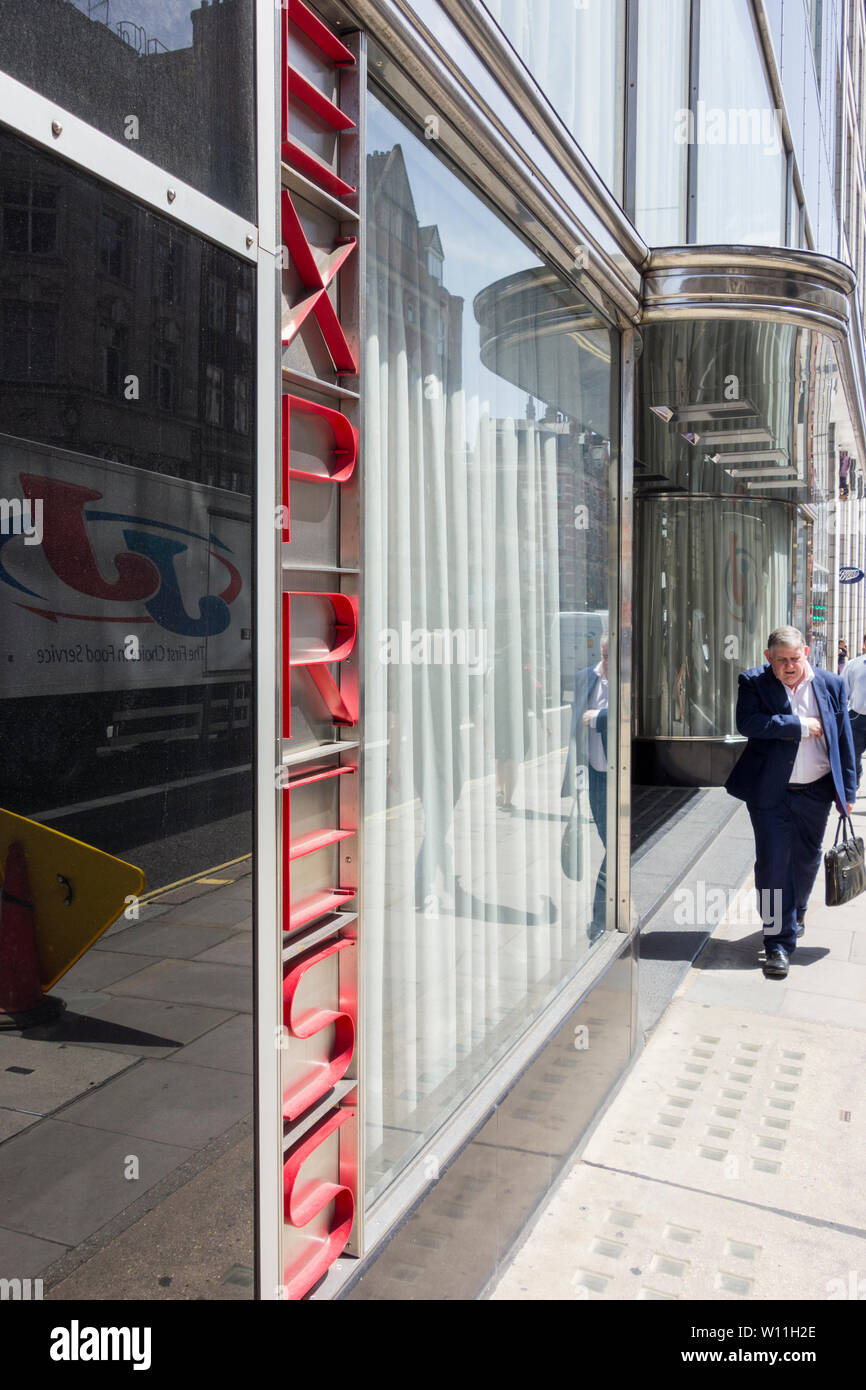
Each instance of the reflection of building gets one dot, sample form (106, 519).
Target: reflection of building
(414, 257)
(120, 335)
(187, 111)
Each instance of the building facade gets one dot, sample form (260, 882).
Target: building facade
(412, 364)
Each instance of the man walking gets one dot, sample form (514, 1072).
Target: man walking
(799, 759)
(854, 677)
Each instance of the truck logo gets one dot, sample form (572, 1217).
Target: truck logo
(146, 572)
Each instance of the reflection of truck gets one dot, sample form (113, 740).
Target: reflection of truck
(127, 593)
(580, 637)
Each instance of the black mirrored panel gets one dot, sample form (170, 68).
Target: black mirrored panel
(170, 79)
(126, 455)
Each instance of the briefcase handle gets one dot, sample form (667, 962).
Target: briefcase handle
(846, 821)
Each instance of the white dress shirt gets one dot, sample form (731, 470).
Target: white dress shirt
(854, 676)
(812, 760)
(596, 703)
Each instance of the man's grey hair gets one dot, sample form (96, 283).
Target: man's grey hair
(785, 637)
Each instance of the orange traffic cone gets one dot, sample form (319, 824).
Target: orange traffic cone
(22, 1003)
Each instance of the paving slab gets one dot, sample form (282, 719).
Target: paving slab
(216, 909)
(61, 1181)
(147, 912)
(13, 1121)
(182, 1105)
(228, 1047)
(235, 950)
(22, 1257)
(191, 982)
(169, 940)
(99, 967)
(733, 1101)
(37, 1077)
(196, 1244)
(135, 1027)
(611, 1235)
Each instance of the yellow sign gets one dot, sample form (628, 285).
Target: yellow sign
(76, 891)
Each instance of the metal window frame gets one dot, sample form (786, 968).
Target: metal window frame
(267, 933)
(34, 116)
(692, 147)
(629, 162)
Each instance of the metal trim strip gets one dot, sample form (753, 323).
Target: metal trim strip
(32, 115)
(267, 936)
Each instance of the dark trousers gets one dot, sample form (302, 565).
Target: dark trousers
(788, 843)
(858, 729)
(598, 807)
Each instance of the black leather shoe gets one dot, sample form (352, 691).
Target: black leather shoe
(801, 924)
(776, 963)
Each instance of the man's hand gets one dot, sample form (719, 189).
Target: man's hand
(588, 716)
(850, 805)
(815, 727)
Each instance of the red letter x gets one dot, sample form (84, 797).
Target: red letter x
(316, 284)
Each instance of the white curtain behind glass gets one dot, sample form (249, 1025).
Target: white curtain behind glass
(741, 158)
(470, 924)
(573, 48)
(662, 93)
(717, 569)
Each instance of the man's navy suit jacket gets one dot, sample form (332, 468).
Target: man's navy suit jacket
(764, 715)
(578, 751)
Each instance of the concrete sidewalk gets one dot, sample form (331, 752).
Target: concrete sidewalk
(731, 1165)
(125, 1142)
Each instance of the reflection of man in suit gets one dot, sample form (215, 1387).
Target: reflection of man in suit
(799, 759)
(588, 747)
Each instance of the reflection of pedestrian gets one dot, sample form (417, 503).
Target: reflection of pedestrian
(513, 709)
(843, 655)
(799, 758)
(588, 746)
(854, 677)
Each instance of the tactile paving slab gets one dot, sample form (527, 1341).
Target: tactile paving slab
(753, 1107)
(610, 1235)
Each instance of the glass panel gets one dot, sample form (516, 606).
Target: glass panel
(661, 156)
(490, 425)
(718, 576)
(741, 153)
(575, 52)
(125, 719)
(170, 80)
(739, 424)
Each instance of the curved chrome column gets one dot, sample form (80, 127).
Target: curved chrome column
(765, 283)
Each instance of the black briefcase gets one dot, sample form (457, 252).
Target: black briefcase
(571, 851)
(844, 868)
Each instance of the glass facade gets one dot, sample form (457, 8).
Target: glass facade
(741, 164)
(167, 79)
(491, 410)
(737, 430)
(126, 373)
(661, 154)
(575, 51)
(717, 578)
